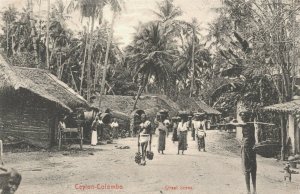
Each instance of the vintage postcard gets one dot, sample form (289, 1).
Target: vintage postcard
(149, 96)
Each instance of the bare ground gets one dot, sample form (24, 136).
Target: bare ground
(214, 171)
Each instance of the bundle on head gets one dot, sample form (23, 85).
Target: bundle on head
(138, 158)
(150, 155)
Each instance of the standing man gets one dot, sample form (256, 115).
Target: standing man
(115, 128)
(94, 131)
(248, 154)
(144, 136)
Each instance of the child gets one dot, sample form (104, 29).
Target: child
(288, 172)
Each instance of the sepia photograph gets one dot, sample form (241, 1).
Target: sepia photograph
(149, 96)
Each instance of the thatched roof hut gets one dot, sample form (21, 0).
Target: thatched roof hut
(196, 105)
(41, 83)
(31, 103)
(151, 104)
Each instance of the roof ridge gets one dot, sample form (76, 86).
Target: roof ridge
(65, 86)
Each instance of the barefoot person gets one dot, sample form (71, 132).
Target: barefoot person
(248, 154)
(200, 130)
(94, 136)
(182, 128)
(163, 130)
(175, 121)
(145, 136)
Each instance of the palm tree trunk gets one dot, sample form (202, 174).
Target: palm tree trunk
(193, 65)
(89, 62)
(106, 57)
(97, 69)
(84, 59)
(141, 88)
(7, 39)
(47, 36)
(73, 80)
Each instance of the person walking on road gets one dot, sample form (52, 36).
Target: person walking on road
(182, 128)
(144, 137)
(163, 130)
(248, 154)
(175, 121)
(199, 126)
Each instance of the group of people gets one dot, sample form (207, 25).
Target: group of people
(179, 126)
(103, 131)
(198, 126)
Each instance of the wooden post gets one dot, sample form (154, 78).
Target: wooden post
(81, 137)
(59, 139)
(1, 152)
(283, 136)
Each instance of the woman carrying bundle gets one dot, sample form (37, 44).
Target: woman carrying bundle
(175, 121)
(162, 129)
(144, 137)
(182, 129)
(200, 128)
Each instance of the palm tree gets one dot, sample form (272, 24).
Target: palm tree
(116, 7)
(167, 11)
(9, 16)
(47, 34)
(151, 55)
(91, 9)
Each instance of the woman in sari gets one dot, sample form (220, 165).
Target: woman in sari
(182, 128)
(200, 128)
(174, 126)
(162, 129)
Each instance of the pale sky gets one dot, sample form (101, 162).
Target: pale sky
(138, 11)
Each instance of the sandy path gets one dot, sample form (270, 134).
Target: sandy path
(194, 172)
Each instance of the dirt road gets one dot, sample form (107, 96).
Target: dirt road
(106, 169)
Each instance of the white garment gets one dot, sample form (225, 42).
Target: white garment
(94, 140)
(144, 138)
(145, 124)
(167, 122)
(182, 126)
(200, 127)
(114, 124)
(196, 124)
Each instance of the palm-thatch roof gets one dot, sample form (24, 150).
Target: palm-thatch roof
(151, 104)
(195, 105)
(205, 108)
(41, 83)
(292, 107)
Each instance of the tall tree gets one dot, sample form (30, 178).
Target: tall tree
(116, 8)
(151, 55)
(9, 16)
(91, 9)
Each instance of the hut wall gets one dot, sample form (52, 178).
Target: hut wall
(26, 117)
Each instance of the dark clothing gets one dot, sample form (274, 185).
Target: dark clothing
(248, 135)
(248, 160)
(201, 142)
(193, 133)
(161, 140)
(247, 150)
(175, 136)
(182, 140)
